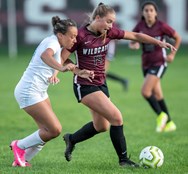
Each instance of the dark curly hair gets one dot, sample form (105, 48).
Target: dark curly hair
(61, 26)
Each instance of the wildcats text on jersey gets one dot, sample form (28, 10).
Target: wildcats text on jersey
(97, 50)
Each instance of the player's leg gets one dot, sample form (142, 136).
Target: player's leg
(97, 99)
(85, 93)
(102, 105)
(48, 123)
(99, 124)
(85, 132)
(170, 125)
(34, 150)
(147, 92)
(49, 127)
(150, 83)
(89, 130)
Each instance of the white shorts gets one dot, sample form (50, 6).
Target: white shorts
(27, 94)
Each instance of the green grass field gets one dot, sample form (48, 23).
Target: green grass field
(97, 156)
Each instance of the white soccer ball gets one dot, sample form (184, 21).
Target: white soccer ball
(151, 157)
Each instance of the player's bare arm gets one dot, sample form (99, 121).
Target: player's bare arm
(140, 37)
(170, 57)
(47, 57)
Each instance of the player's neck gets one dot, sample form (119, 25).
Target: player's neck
(91, 28)
(150, 23)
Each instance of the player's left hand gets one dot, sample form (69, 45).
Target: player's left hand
(167, 45)
(53, 80)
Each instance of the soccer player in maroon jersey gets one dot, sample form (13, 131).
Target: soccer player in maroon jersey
(154, 63)
(91, 49)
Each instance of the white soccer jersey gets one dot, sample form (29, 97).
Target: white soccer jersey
(37, 66)
(32, 87)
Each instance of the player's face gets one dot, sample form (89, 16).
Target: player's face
(68, 39)
(105, 23)
(149, 13)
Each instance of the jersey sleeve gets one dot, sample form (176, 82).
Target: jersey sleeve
(53, 45)
(116, 33)
(136, 28)
(167, 30)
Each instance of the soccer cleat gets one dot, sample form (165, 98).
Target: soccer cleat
(14, 164)
(170, 126)
(69, 147)
(128, 163)
(161, 122)
(18, 154)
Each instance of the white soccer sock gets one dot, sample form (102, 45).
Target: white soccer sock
(30, 141)
(32, 151)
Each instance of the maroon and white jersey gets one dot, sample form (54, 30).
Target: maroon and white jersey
(91, 50)
(154, 55)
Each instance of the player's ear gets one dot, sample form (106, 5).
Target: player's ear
(97, 17)
(59, 35)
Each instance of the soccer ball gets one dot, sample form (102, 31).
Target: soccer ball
(151, 157)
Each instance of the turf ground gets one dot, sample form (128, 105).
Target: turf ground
(97, 156)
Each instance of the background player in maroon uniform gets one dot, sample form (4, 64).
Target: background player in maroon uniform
(91, 49)
(154, 63)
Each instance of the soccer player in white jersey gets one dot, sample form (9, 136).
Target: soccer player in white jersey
(31, 91)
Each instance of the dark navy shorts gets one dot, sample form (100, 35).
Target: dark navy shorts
(82, 90)
(156, 70)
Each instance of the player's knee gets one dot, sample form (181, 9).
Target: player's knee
(158, 96)
(145, 93)
(102, 128)
(56, 131)
(117, 119)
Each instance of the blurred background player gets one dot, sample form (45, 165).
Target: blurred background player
(154, 63)
(31, 91)
(110, 57)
